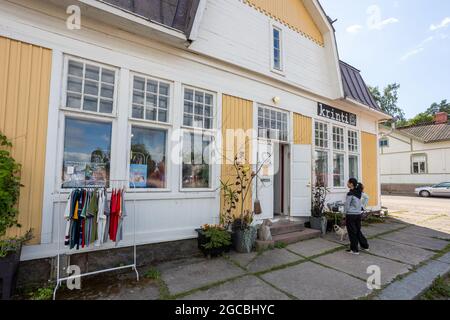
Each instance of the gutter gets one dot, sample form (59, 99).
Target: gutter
(383, 116)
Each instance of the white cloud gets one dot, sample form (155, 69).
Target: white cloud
(381, 24)
(354, 28)
(444, 23)
(412, 53)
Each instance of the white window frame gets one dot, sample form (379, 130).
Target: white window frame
(342, 141)
(386, 141)
(170, 106)
(344, 174)
(279, 28)
(212, 172)
(270, 109)
(419, 162)
(214, 111)
(326, 149)
(157, 126)
(354, 153)
(63, 102)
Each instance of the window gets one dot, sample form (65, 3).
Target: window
(87, 150)
(90, 87)
(353, 141)
(442, 185)
(338, 170)
(198, 109)
(150, 99)
(338, 138)
(321, 167)
(148, 158)
(272, 124)
(277, 47)
(353, 165)
(419, 164)
(196, 161)
(384, 142)
(321, 135)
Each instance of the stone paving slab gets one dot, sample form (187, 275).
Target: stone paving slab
(416, 240)
(379, 228)
(400, 252)
(445, 258)
(427, 232)
(182, 278)
(310, 281)
(416, 283)
(272, 258)
(313, 247)
(441, 223)
(242, 259)
(357, 265)
(245, 288)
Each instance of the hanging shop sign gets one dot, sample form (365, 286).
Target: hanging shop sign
(335, 114)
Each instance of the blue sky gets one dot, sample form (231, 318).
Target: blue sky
(404, 41)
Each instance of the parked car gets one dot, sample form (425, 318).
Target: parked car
(438, 190)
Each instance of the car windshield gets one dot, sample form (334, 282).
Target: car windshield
(442, 185)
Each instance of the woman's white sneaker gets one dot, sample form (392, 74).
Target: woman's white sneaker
(352, 252)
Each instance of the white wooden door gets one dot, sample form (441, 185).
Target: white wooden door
(301, 181)
(264, 182)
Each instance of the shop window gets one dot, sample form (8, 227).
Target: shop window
(196, 167)
(353, 164)
(321, 135)
(87, 151)
(353, 141)
(384, 142)
(419, 164)
(338, 170)
(272, 124)
(338, 138)
(148, 158)
(90, 87)
(198, 109)
(277, 62)
(151, 99)
(321, 168)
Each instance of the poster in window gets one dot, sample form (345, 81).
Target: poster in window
(138, 175)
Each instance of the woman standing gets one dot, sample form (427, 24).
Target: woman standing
(353, 217)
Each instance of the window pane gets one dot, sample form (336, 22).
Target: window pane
(106, 106)
(148, 158)
(108, 76)
(208, 99)
(152, 86)
(139, 83)
(164, 89)
(188, 120)
(87, 149)
(74, 84)
(150, 114)
(321, 168)
(338, 170)
(196, 161)
(107, 91)
(92, 72)
(138, 97)
(353, 167)
(188, 107)
(90, 104)
(74, 101)
(138, 112)
(76, 68)
(189, 94)
(91, 87)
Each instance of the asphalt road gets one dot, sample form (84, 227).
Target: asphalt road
(417, 204)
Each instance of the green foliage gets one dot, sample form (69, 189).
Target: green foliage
(421, 118)
(319, 196)
(440, 290)
(217, 237)
(388, 100)
(280, 245)
(9, 187)
(152, 274)
(42, 294)
(13, 244)
(443, 106)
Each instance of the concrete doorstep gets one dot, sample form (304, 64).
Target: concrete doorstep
(416, 283)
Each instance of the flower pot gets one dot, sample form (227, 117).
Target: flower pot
(202, 239)
(9, 267)
(319, 224)
(244, 240)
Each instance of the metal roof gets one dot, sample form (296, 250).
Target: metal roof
(428, 133)
(355, 87)
(176, 14)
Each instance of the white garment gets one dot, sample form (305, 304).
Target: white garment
(101, 219)
(67, 217)
(364, 200)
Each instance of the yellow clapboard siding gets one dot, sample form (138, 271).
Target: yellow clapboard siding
(302, 129)
(369, 166)
(237, 114)
(24, 98)
(292, 13)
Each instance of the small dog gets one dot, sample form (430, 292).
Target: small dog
(264, 232)
(342, 232)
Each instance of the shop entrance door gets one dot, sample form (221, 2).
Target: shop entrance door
(301, 171)
(265, 181)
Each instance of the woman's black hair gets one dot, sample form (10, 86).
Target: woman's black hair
(357, 188)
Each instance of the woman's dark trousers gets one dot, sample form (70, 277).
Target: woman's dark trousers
(353, 223)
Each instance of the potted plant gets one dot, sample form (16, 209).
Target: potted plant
(213, 240)
(318, 219)
(10, 248)
(235, 214)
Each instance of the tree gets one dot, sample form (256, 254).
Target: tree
(388, 100)
(444, 106)
(421, 118)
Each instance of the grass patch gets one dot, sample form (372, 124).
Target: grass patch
(439, 290)
(45, 293)
(152, 274)
(280, 245)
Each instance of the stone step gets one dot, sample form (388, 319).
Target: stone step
(293, 237)
(286, 227)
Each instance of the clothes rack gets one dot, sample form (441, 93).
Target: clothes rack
(112, 184)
